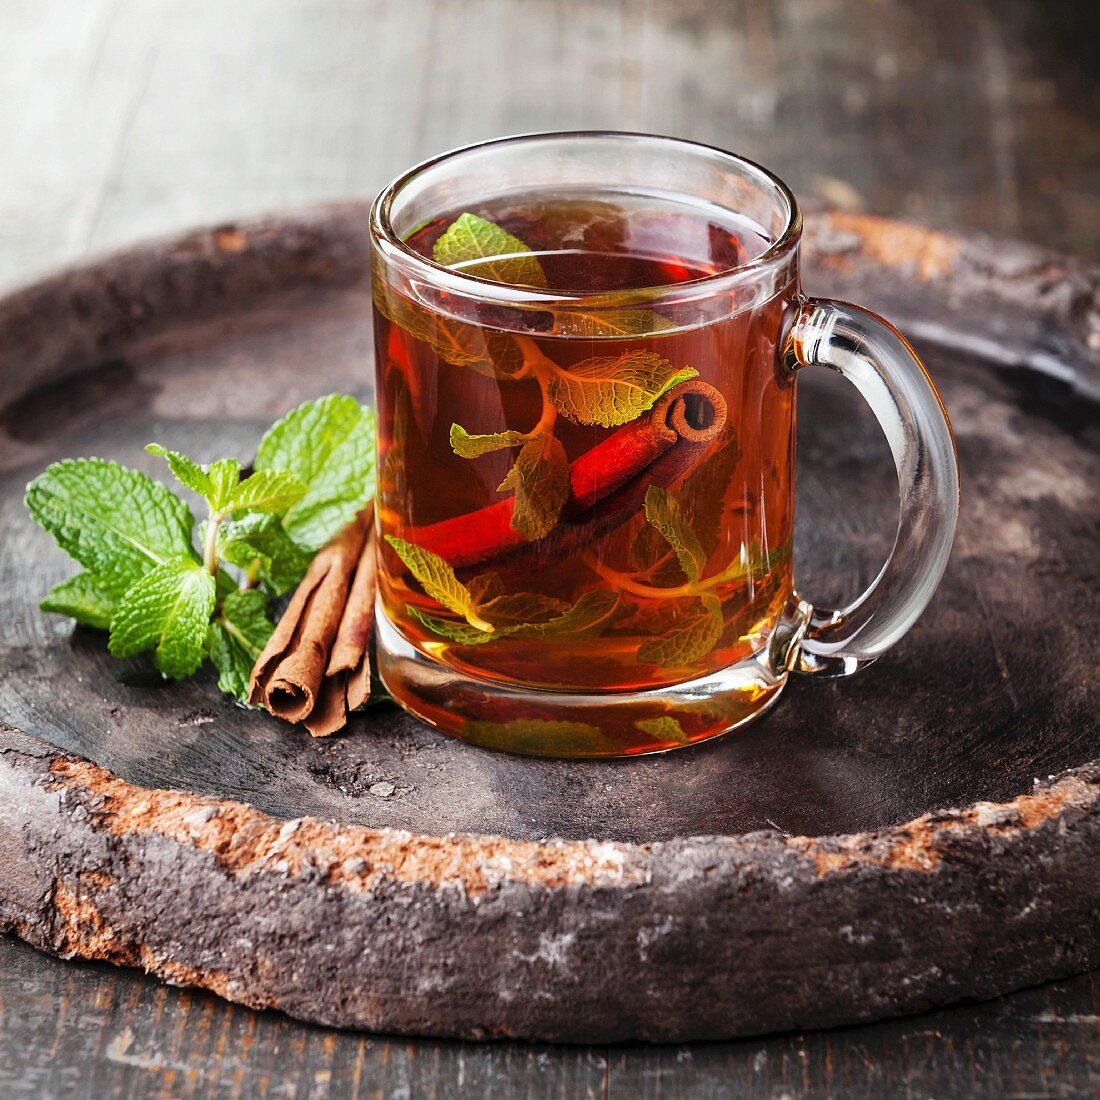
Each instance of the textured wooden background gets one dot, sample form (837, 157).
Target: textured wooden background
(123, 118)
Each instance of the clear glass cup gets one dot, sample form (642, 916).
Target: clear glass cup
(587, 346)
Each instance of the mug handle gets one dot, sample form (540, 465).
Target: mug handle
(879, 362)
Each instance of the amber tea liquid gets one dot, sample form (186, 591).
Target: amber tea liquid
(577, 569)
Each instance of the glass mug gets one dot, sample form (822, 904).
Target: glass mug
(587, 346)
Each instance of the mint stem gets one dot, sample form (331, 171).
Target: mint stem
(210, 543)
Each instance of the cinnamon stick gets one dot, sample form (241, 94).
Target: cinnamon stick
(692, 414)
(581, 532)
(287, 679)
(346, 685)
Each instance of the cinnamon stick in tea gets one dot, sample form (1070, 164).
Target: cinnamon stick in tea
(288, 676)
(690, 415)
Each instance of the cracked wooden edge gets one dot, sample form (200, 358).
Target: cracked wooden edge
(482, 936)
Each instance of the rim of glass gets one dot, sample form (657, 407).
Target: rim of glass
(412, 263)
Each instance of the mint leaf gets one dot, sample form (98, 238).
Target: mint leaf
(116, 522)
(224, 476)
(540, 735)
(167, 611)
(258, 542)
(438, 579)
(481, 248)
(236, 639)
(473, 446)
(540, 478)
(85, 598)
(610, 390)
(267, 491)
(663, 512)
(589, 616)
(186, 471)
(692, 638)
(702, 500)
(215, 484)
(485, 587)
(328, 445)
(529, 614)
(520, 609)
(664, 728)
(610, 322)
(462, 633)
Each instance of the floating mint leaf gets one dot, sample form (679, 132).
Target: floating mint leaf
(540, 478)
(694, 637)
(115, 521)
(485, 587)
(438, 579)
(589, 616)
(328, 445)
(462, 633)
(236, 639)
(664, 728)
(703, 500)
(520, 609)
(481, 248)
(474, 446)
(610, 390)
(529, 614)
(663, 512)
(540, 735)
(610, 322)
(167, 611)
(86, 598)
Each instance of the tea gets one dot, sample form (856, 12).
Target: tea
(590, 500)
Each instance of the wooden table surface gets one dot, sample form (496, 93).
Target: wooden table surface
(126, 118)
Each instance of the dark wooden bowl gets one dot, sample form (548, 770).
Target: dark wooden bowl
(926, 831)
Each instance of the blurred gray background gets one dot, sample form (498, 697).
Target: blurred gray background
(125, 118)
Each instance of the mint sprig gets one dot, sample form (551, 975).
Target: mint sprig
(147, 582)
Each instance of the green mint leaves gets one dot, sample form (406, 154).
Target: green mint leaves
(663, 512)
(438, 579)
(115, 522)
(153, 589)
(474, 446)
(613, 390)
(481, 248)
(236, 638)
(491, 614)
(540, 479)
(167, 611)
(328, 445)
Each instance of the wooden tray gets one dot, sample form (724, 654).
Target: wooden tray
(871, 847)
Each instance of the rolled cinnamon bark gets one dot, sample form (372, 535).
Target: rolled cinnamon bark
(351, 651)
(580, 533)
(690, 415)
(287, 678)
